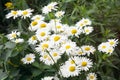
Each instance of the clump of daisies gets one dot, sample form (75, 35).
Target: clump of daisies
(51, 39)
(20, 13)
(108, 47)
(14, 36)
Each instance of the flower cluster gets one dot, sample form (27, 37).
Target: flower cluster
(52, 40)
(14, 36)
(108, 47)
(19, 13)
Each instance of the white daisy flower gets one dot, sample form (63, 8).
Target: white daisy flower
(26, 13)
(28, 59)
(57, 39)
(110, 50)
(91, 76)
(87, 30)
(68, 47)
(103, 47)
(88, 49)
(43, 46)
(80, 24)
(19, 40)
(68, 70)
(113, 42)
(84, 63)
(32, 40)
(59, 14)
(13, 14)
(42, 34)
(74, 31)
(47, 59)
(13, 35)
(33, 25)
(80, 52)
(43, 25)
(86, 21)
(38, 17)
(50, 78)
(49, 7)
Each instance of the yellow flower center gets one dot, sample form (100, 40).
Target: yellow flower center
(86, 21)
(25, 12)
(103, 47)
(87, 48)
(91, 77)
(34, 23)
(72, 68)
(67, 46)
(56, 38)
(55, 54)
(29, 58)
(73, 31)
(81, 24)
(45, 56)
(80, 52)
(34, 37)
(42, 34)
(37, 18)
(87, 30)
(58, 27)
(111, 43)
(44, 46)
(14, 12)
(14, 35)
(43, 25)
(84, 64)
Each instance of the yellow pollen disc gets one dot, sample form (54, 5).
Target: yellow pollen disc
(43, 25)
(56, 38)
(87, 48)
(55, 54)
(91, 77)
(85, 21)
(80, 52)
(25, 12)
(34, 38)
(111, 43)
(29, 58)
(45, 56)
(73, 31)
(14, 12)
(49, 7)
(72, 68)
(81, 24)
(87, 30)
(72, 62)
(44, 46)
(58, 27)
(110, 50)
(84, 64)
(34, 23)
(38, 18)
(14, 35)
(67, 46)
(42, 34)
(103, 47)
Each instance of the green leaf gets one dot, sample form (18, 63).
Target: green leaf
(3, 75)
(10, 45)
